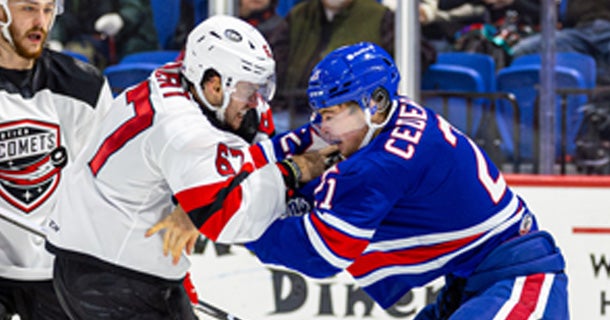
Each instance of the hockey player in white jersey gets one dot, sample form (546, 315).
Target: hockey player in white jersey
(172, 136)
(50, 103)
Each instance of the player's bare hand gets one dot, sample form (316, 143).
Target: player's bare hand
(180, 233)
(312, 164)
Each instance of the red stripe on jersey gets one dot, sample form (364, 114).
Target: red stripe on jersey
(338, 242)
(201, 196)
(376, 260)
(258, 156)
(204, 196)
(219, 219)
(528, 299)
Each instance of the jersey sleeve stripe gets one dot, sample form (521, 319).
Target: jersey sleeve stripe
(261, 153)
(344, 226)
(375, 260)
(219, 219)
(366, 279)
(203, 202)
(321, 248)
(514, 207)
(529, 297)
(341, 244)
(523, 299)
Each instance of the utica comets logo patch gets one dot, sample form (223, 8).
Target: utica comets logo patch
(31, 159)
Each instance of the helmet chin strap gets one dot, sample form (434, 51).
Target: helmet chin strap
(6, 33)
(372, 127)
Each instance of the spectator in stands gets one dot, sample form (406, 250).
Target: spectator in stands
(586, 29)
(440, 26)
(314, 28)
(260, 13)
(105, 31)
(528, 10)
(503, 24)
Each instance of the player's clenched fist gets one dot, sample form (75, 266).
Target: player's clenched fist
(312, 164)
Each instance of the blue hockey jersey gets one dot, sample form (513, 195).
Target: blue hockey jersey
(420, 201)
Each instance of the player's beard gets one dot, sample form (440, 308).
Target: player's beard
(24, 51)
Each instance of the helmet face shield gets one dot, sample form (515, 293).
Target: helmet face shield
(57, 6)
(245, 91)
(337, 123)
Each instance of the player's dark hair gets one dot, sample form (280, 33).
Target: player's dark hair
(209, 74)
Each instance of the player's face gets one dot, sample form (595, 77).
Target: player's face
(344, 125)
(244, 97)
(29, 26)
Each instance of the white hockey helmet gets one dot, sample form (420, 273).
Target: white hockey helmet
(234, 49)
(4, 25)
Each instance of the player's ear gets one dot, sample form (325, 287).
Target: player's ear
(381, 99)
(212, 90)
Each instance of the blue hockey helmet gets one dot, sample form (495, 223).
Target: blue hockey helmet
(352, 73)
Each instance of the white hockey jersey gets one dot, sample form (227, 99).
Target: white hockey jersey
(156, 143)
(46, 116)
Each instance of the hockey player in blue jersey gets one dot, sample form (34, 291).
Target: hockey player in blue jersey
(415, 199)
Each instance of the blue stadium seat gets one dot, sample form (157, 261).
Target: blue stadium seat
(484, 64)
(166, 15)
(122, 76)
(445, 77)
(561, 12)
(585, 64)
(284, 6)
(522, 81)
(76, 55)
(201, 10)
(159, 57)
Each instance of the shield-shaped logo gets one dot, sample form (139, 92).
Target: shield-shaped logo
(31, 159)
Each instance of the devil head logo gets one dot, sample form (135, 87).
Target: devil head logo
(31, 159)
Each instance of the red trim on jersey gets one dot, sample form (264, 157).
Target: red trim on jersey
(219, 219)
(340, 243)
(376, 260)
(258, 156)
(266, 124)
(200, 196)
(204, 196)
(528, 299)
